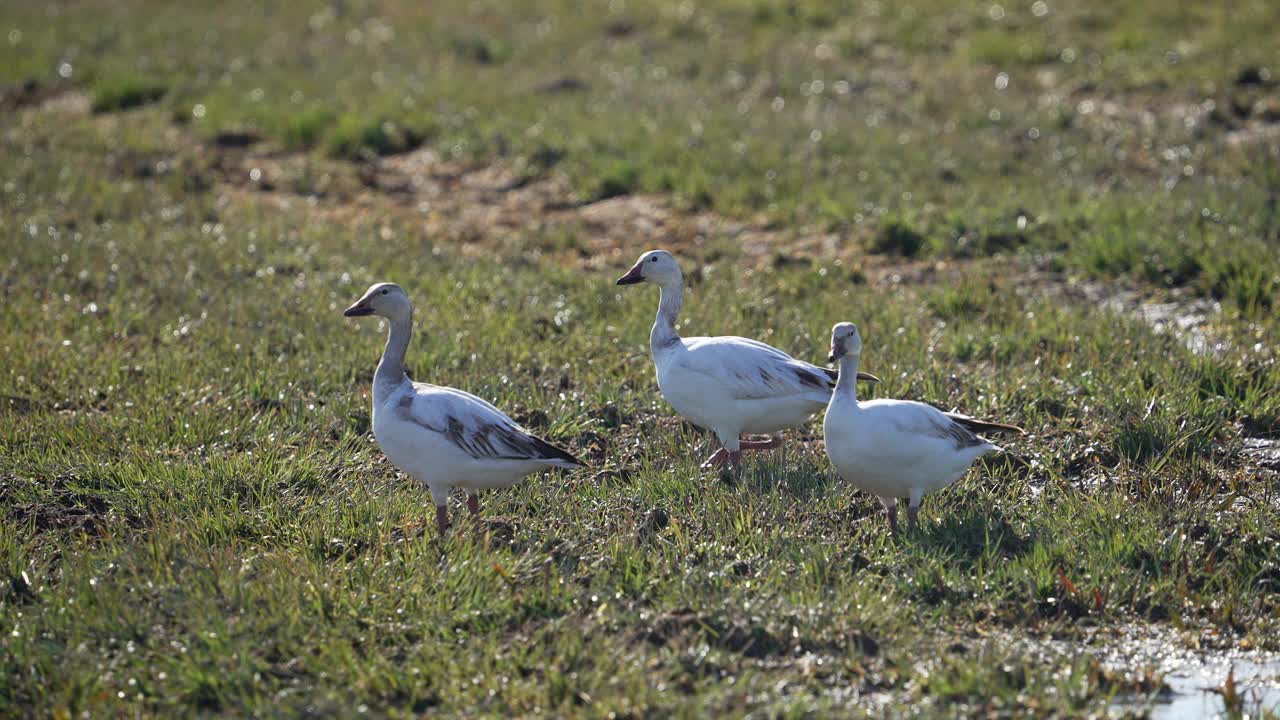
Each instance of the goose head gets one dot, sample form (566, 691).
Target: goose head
(656, 266)
(845, 341)
(386, 300)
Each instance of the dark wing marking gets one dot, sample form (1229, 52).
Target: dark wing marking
(761, 375)
(503, 442)
(770, 380)
(981, 426)
(490, 440)
(551, 452)
(960, 435)
(932, 422)
(810, 378)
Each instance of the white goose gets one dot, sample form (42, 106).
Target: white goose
(896, 448)
(440, 436)
(728, 385)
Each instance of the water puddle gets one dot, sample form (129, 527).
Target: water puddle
(1196, 688)
(1195, 678)
(1264, 452)
(1190, 669)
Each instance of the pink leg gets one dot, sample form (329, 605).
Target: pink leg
(717, 459)
(473, 504)
(442, 519)
(913, 507)
(891, 507)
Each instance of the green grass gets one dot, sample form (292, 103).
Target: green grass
(196, 519)
(355, 136)
(305, 129)
(126, 94)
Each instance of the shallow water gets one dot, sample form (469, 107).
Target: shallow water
(1195, 688)
(1263, 451)
(1193, 676)
(1192, 673)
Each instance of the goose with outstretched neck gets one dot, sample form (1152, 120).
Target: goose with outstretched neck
(728, 385)
(442, 437)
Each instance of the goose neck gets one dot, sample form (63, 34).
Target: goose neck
(847, 382)
(390, 373)
(664, 326)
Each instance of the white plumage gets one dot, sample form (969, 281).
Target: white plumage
(729, 385)
(441, 436)
(895, 448)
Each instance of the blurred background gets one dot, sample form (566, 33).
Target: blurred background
(1139, 134)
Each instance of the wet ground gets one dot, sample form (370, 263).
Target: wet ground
(1197, 677)
(1196, 687)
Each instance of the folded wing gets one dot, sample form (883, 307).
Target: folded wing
(914, 419)
(748, 369)
(476, 427)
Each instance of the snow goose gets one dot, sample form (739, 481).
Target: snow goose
(728, 385)
(896, 448)
(440, 436)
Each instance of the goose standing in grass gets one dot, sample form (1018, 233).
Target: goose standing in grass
(896, 448)
(440, 436)
(728, 385)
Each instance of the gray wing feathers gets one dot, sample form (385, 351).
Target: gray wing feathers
(753, 370)
(934, 423)
(479, 429)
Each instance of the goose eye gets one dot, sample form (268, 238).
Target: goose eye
(653, 259)
(384, 292)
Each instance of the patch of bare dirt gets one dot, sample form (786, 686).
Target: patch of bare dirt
(67, 103)
(54, 98)
(480, 207)
(63, 507)
(890, 271)
(31, 93)
(493, 206)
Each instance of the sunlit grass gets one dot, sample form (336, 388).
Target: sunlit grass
(197, 521)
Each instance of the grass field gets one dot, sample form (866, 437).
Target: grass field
(1061, 215)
